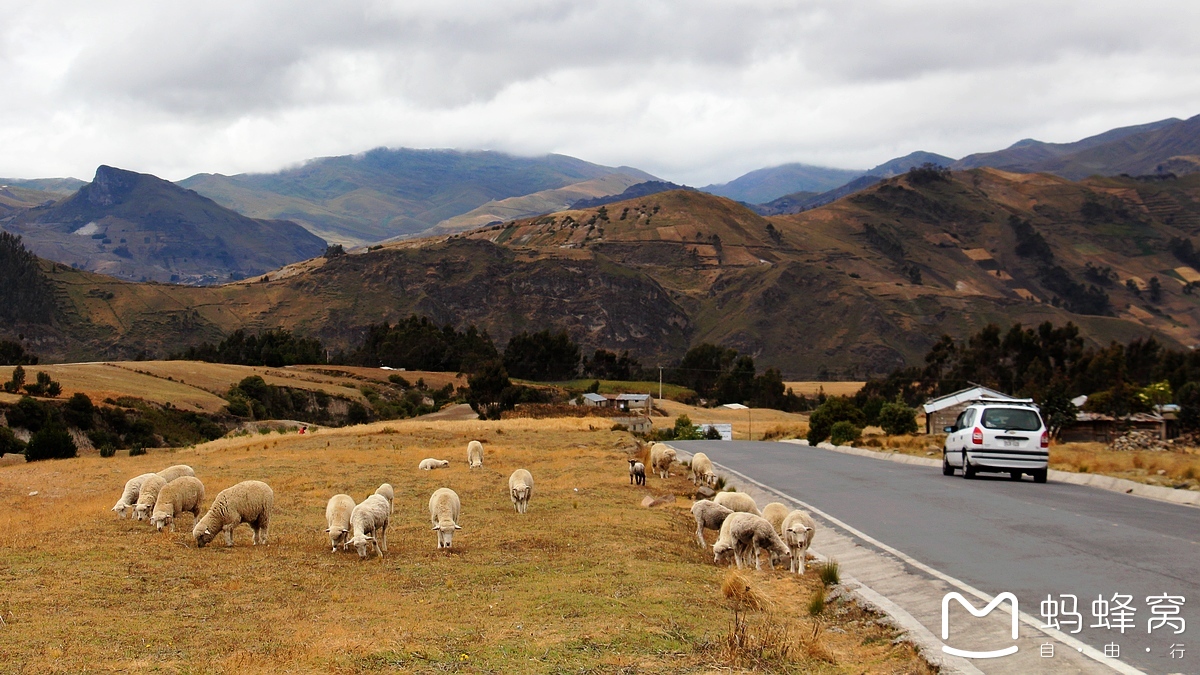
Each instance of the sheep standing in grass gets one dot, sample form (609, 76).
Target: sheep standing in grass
(746, 533)
(475, 454)
(637, 472)
(129, 497)
(520, 489)
(709, 515)
(337, 517)
(737, 501)
(385, 490)
(444, 507)
(178, 471)
(798, 531)
(661, 458)
(430, 464)
(182, 495)
(701, 469)
(775, 513)
(250, 502)
(368, 525)
(147, 496)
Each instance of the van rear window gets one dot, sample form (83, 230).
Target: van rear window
(1012, 419)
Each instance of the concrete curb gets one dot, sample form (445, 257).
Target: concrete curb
(1162, 494)
(928, 646)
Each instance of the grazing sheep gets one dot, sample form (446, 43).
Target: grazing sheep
(129, 497)
(775, 513)
(737, 501)
(182, 495)
(178, 471)
(475, 454)
(430, 464)
(147, 496)
(637, 472)
(520, 488)
(250, 502)
(798, 531)
(661, 458)
(702, 470)
(444, 507)
(744, 533)
(337, 516)
(385, 490)
(709, 515)
(368, 525)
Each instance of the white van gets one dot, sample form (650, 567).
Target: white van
(1002, 437)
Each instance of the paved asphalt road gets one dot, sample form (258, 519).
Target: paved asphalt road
(998, 535)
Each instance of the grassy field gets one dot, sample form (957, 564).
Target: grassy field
(673, 392)
(830, 388)
(756, 421)
(587, 581)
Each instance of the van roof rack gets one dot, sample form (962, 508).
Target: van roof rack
(1006, 401)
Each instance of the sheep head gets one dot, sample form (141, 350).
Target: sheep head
(161, 521)
(120, 509)
(203, 535)
(361, 543)
(520, 493)
(800, 534)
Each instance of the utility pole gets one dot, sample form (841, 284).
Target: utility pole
(750, 424)
(660, 383)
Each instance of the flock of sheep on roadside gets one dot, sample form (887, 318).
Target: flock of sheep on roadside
(743, 532)
(161, 497)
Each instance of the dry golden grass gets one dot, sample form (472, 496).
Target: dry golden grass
(109, 380)
(586, 581)
(830, 388)
(756, 421)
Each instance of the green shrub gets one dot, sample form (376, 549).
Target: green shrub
(832, 411)
(136, 450)
(816, 604)
(10, 444)
(79, 411)
(107, 450)
(896, 418)
(685, 430)
(50, 443)
(830, 572)
(844, 432)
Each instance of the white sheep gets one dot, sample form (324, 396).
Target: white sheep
(147, 496)
(737, 501)
(799, 529)
(444, 507)
(385, 490)
(178, 471)
(637, 472)
(709, 515)
(475, 454)
(775, 513)
(661, 458)
(129, 497)
(429, 464)
(337, 517)
(368, 525)
(746, 533)
(701, 469)
(250, 502)
(520, 489)
(182, 495)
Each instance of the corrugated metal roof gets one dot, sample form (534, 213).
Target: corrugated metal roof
(596, 398)
(632, 397)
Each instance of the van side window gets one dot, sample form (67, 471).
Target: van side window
(959, 423)
(968, 418)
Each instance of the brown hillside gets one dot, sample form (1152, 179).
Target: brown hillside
(857, 287)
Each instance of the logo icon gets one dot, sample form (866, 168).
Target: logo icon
(953, 595)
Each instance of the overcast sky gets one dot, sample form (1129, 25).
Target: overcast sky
(695, 91)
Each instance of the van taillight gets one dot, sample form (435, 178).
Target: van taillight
(1045, 439)
(977, 436)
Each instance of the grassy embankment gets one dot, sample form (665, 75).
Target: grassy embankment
(587, 581)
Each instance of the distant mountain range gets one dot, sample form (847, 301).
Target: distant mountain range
(139, 227)
(854, 288)
(384, 193)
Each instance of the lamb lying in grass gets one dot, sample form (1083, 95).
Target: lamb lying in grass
(430, 464)
(249, 502)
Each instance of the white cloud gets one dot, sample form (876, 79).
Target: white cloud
(697, 91)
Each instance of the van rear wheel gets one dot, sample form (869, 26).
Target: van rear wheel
(1039, 476)
(1014, 475)
(947, 470)
(968, 470)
